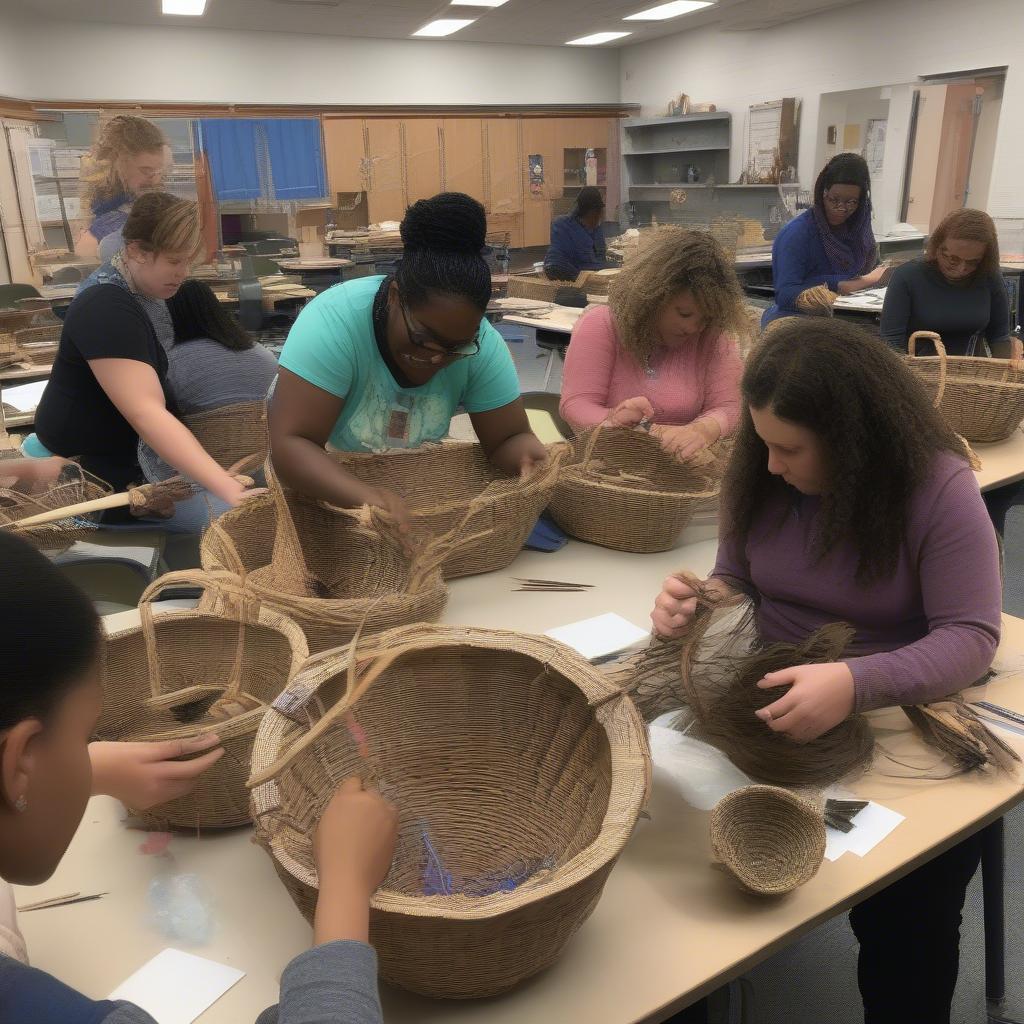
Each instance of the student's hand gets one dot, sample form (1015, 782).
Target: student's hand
(818, 699)
(874, 278)
(532, 456)
(684, 442)
(391, 502)
(31, 476)
(144, 775)
(630, 413)
(676, 605)
(238, 490)
(354, 842)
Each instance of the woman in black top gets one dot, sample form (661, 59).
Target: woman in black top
(955, 290)
(108, 387)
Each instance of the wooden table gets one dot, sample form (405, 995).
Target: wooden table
(294, 265)
(1001, 463)
(668, 928)
(561, 320)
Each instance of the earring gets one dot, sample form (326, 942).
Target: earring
(21, 804)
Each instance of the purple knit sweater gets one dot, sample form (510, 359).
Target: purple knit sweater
(926, 632)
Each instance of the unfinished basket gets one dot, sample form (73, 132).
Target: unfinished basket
(233, 434)
(322, 567)
(518, 772)
(454, 482)
(769, 840)
(39, 344)
(542, 288)
(188, 673)
(981, 399)
(624, 492)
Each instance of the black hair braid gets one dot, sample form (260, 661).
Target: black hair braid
(843, 169)
(197, 313)
(444, 238)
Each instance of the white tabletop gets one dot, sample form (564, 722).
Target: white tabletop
(1001, 463)
(870, 300)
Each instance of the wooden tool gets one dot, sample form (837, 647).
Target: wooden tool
(82, 508)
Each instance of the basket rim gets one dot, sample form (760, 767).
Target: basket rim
(611, 707)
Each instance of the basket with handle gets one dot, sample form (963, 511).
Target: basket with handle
(518, 771)
(623, 491)
(183, 674)
(451, 482)
(981, 399)
(233, 434)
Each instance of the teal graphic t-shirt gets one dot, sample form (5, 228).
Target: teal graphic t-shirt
(332, 346)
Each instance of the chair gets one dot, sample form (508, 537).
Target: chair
(67, 275)
(10, 293)
(264, 266)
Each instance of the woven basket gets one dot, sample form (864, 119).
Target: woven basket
(769, 840)
(9, 351)
(12, 320)
(322, 567)
(188, 673)
(512, 753)
(233, 435)
(981, 399)
(537, 288)
(817, 301)
(623, 492)
(39, 344)
(445, 484)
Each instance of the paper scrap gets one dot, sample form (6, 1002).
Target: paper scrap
(870, 827)
(176, 987)
(699, 772)
(24, 397)
(601, 636)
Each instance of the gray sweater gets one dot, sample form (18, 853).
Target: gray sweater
(919, 298)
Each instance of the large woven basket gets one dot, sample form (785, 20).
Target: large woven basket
(233, 435)
(453, 482)
(188, 673)
(325, 569)
(981, 399)
(623, 492)
(768, 839)
(510, 759)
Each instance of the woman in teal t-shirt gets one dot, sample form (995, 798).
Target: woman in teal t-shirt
(380, 363)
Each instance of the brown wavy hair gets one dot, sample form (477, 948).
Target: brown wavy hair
(159, 222)
(673, 261)
(124, 135)
(876, 424)
(968, 226)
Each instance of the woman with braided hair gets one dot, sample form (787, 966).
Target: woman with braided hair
(385, 362)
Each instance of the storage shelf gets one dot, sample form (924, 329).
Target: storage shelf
(685, 119)
(700, 184)
(684, 149)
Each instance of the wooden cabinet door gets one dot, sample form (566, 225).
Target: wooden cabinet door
(504, 172)
(344, 151)
(542, 136)
(463, 166)
(385, 166)
(423, 142)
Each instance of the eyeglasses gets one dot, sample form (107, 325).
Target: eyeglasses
(421, 339)
(957, 262)
(842, 204)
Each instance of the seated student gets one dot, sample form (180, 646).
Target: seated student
(831, 243)
(381, 362)
(108, 387)
(49, 706)
(955, 289)
(577, 239)
(212, 363)
(848, 498)
(663, 349)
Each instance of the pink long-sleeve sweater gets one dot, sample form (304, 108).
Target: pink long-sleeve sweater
(683, 384)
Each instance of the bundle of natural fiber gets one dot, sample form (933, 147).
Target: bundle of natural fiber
(189, 673)
(981, 399)
(518, 772)
(953, 727)
(769, 840)
(817, 301)
(454, 482)
(716, 676)
(621, 490)
(233, 435)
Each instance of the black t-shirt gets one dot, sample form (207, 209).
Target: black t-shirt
(75, 417)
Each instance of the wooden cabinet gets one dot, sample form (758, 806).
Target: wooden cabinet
(385, 166)
(423, 146)
(344, 152)
(463, 163)
(504, 174)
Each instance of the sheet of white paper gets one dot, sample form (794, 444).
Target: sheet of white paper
(699, 772)
(870, 827)
(176, 987)
(24, 397)
(600, 636)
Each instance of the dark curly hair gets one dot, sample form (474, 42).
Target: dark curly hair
(876, 424)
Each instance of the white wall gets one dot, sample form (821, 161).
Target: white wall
(195, 65)
(12, 66)
(876, 43)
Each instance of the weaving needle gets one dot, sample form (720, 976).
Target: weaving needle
(49, 904)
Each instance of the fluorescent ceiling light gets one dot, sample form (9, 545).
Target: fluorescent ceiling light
(670, 10)
(444, 26)
(478, 3)
(597, 38)
(189, 7)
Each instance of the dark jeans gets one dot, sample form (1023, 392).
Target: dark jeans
(909, 938)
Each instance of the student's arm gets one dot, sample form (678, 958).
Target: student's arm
(722, 387)
(301, 417)
(895, 324)
(791, 271)
(135, 389)
(506, 437)
(587, 373)
(86, 245)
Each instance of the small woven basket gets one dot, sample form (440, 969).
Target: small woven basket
(508, 756)
(189, 673)
(623, 492)
(329, 571)
(454, 482)
(233, 435)
(981, 399)
(769, 840)
(39, 344)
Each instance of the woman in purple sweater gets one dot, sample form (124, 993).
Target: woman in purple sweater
(849, 498)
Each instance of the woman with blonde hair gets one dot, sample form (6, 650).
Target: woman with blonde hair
(955, 289)
(663, 351)
(108, 387)
(128, 158)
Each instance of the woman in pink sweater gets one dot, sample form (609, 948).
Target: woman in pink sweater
(663, 350)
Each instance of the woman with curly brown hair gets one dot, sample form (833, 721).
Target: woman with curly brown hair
(848, 498)
(663, 350)
(955, 289)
